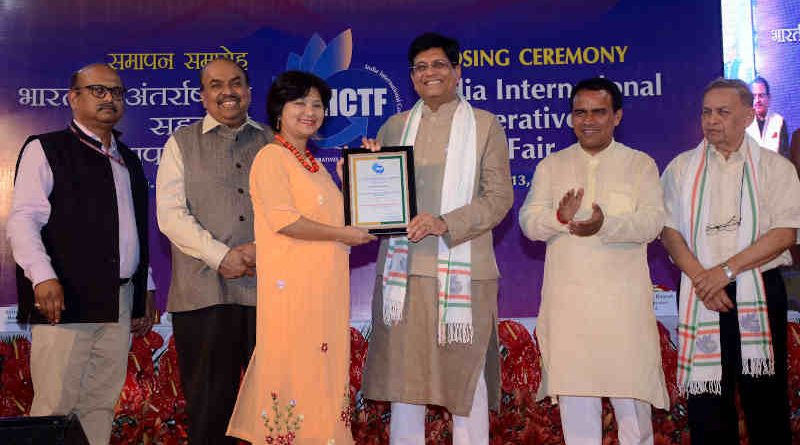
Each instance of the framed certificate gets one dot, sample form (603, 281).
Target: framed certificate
(378, 189)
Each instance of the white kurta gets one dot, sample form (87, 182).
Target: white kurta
(596, 326)
(771, 136)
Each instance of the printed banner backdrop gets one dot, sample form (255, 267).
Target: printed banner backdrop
(520, 60)
(777, 36)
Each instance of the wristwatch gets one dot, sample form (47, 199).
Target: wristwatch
(728, 272)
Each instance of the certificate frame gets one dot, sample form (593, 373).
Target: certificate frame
(354, 210)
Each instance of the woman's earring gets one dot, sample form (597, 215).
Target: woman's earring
(278, 124)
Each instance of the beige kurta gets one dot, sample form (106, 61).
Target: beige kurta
(404, 362)
(596, 326)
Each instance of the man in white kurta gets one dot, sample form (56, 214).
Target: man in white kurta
(597, 204)
(769, 127)
(733, 210)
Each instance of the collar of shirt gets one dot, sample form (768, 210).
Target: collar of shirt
(444, 109)
(209, 123)
(735, 158)
(111, 150)
(600, 156)
(769, 116)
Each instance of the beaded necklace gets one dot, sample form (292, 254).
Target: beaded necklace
(310, 165)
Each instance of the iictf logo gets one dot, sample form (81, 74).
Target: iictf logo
(362, 99)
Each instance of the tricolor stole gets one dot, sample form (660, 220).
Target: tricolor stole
(699, 355)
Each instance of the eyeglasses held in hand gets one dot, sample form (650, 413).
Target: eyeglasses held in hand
(731, 225)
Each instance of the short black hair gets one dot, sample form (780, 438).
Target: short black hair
(244, 71)
(762, 81)
(293, 85)
(598, 84)
(430, 40)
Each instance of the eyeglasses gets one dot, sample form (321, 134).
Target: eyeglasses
(436, 65)
(731, 225)
(100, 91)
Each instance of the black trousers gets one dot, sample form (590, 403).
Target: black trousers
(214, 346)
(713, 418)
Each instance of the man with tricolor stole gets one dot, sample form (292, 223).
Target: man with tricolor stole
(435, 306)
(597, 204)
(733, 209)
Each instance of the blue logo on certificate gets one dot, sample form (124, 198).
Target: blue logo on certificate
(377, 168)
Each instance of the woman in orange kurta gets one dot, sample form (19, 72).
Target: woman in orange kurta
(295, 389)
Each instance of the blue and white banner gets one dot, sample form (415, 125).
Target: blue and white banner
(520, 61)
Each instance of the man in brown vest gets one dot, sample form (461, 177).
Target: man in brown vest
(204, 208)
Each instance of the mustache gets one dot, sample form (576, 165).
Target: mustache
(225, 97)
(108, 106)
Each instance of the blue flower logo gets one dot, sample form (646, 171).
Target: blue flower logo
(377, 168)
(359, 94)
(321, 59)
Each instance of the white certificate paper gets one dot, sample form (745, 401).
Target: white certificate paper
(379, 191)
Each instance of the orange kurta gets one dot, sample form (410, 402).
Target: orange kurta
(303, 344)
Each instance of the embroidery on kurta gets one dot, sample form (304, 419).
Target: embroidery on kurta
(346, 416)
(283, 426)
